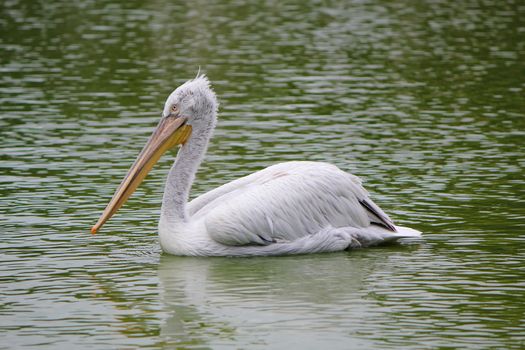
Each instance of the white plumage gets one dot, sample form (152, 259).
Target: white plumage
(283, 203)
(287, 208)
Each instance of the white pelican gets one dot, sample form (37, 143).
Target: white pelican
(287, 208)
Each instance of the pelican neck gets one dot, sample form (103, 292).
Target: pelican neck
(180, 178)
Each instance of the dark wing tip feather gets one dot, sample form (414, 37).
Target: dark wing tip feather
(384, 221)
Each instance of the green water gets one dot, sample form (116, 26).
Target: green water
(423, 100)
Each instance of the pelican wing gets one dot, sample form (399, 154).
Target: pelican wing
(285, 202)
(208, 199)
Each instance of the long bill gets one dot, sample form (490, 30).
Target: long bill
(171, 131)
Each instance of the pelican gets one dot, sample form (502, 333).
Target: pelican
(288, 208)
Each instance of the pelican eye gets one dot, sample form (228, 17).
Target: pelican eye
(174, 108)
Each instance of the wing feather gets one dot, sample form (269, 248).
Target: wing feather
(285, 202)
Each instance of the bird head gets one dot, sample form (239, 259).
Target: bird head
(195, 102)
(189, 112)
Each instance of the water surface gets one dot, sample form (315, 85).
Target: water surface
(424, 101)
